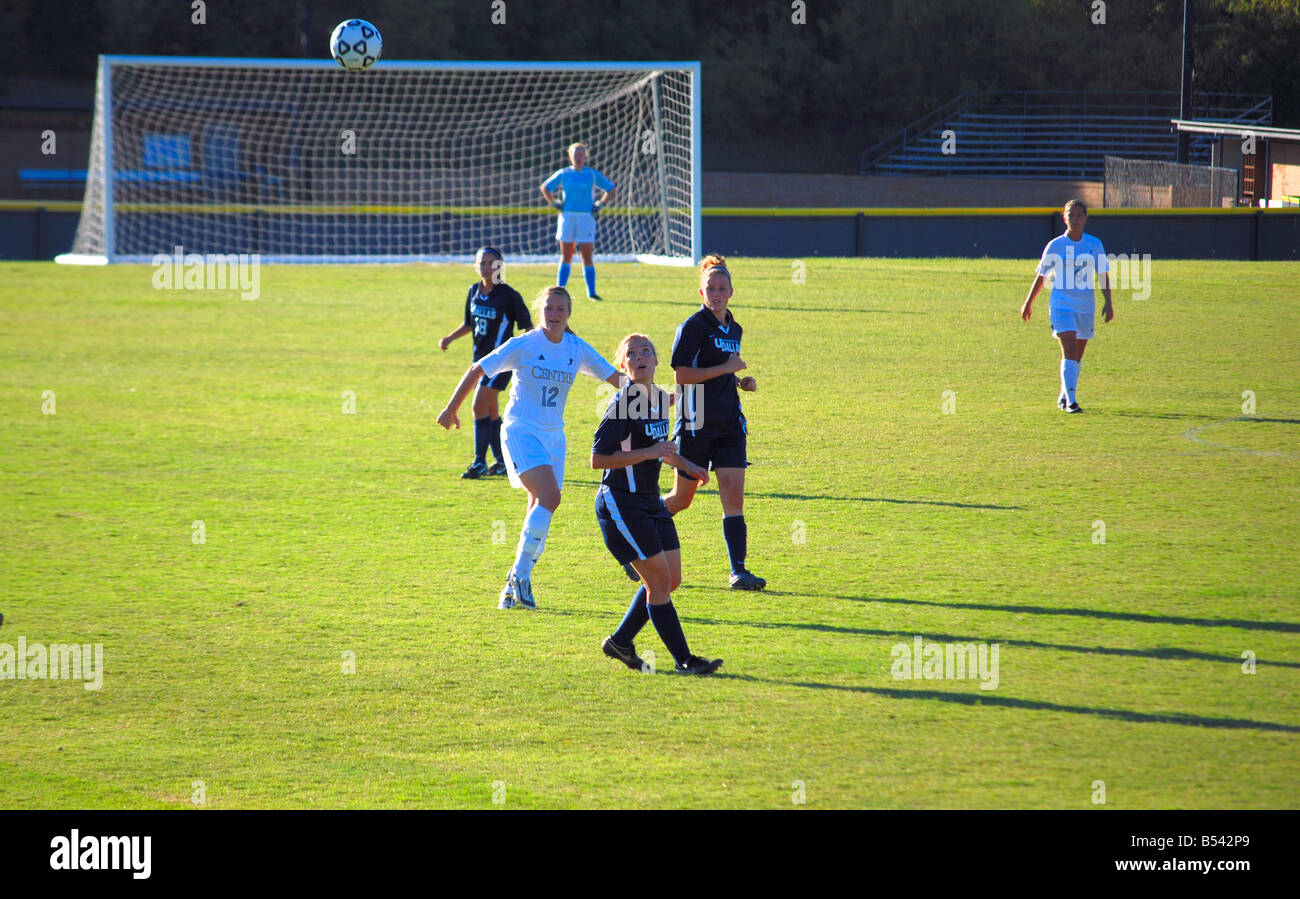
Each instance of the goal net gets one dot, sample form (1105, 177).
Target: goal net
(301, 161)
(1149, 184)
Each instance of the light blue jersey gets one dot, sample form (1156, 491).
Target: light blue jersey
(579, 187)
(1073, 267)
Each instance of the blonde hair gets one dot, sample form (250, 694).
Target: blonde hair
(1072, 204)
(658, 397)
(710, 264)
(539, 305)
(573, 148)
(620, 354)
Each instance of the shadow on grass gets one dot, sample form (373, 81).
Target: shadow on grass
(689, 308)
(1286, 627)
(1163, 653)
(710, 491)
(1172, 416)
(877, 499)
(984, 698)
(1171, 652)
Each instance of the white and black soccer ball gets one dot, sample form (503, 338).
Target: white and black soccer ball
(356, 44)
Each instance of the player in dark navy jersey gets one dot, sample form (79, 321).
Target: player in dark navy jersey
(492, 310)
(631, 444)
(711, 429)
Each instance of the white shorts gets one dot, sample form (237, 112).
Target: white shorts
(527, 448)
(1065, 320)
(576, 227)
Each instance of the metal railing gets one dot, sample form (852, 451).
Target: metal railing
(898, 139)
(1120, 120)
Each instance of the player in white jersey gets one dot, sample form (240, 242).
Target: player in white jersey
(545, 362)
(578, 210)
(1077, 264)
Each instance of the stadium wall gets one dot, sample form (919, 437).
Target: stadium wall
(33, 231)
(1248, 234)
(892, 191)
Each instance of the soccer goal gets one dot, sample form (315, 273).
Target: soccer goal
(301, 161)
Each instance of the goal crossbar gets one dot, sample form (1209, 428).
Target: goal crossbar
(297, 160)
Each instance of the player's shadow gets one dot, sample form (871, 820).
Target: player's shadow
(1194, 416)
(1286, 627)
(1179, 416)
(872, 499)
(710, 491)
(837, 310)
(986, 698)
(1163, 653)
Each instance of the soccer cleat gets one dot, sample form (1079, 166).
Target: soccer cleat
(496, 468)
(697, 665)
(747, 580)
(595, 297)
(1060, 403)
(1073, 408)
(625, 654)
(631, 572)
(523, 590)
(475, 471)
(507, 598)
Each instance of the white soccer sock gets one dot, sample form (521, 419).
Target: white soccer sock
(1070, 378)
(531, 540)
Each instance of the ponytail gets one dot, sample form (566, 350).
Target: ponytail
(713, 263)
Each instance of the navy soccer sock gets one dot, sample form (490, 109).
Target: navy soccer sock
(634, 620)
(482, 432)
(495, 440)
(733, 528)
(670, 631)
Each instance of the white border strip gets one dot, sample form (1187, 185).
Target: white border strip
(337, 259)
(445, 65)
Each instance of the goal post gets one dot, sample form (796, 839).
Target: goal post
(301, 161)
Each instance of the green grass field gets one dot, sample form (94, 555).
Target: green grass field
(875, 517)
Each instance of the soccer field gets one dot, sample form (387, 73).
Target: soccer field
(1132, 564)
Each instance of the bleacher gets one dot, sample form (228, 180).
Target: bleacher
(1052, 134)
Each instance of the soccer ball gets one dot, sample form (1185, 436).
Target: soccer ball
(356, 44)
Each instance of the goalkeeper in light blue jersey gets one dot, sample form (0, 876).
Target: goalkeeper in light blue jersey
(578, 210)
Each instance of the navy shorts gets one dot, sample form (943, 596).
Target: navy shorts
(500, 382)
(714, 452)
(633, 528)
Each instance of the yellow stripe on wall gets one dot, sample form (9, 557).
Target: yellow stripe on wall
(712, 211)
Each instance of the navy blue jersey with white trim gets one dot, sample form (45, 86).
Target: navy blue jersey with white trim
(492, 318)
(633, 420)
(710, 409)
